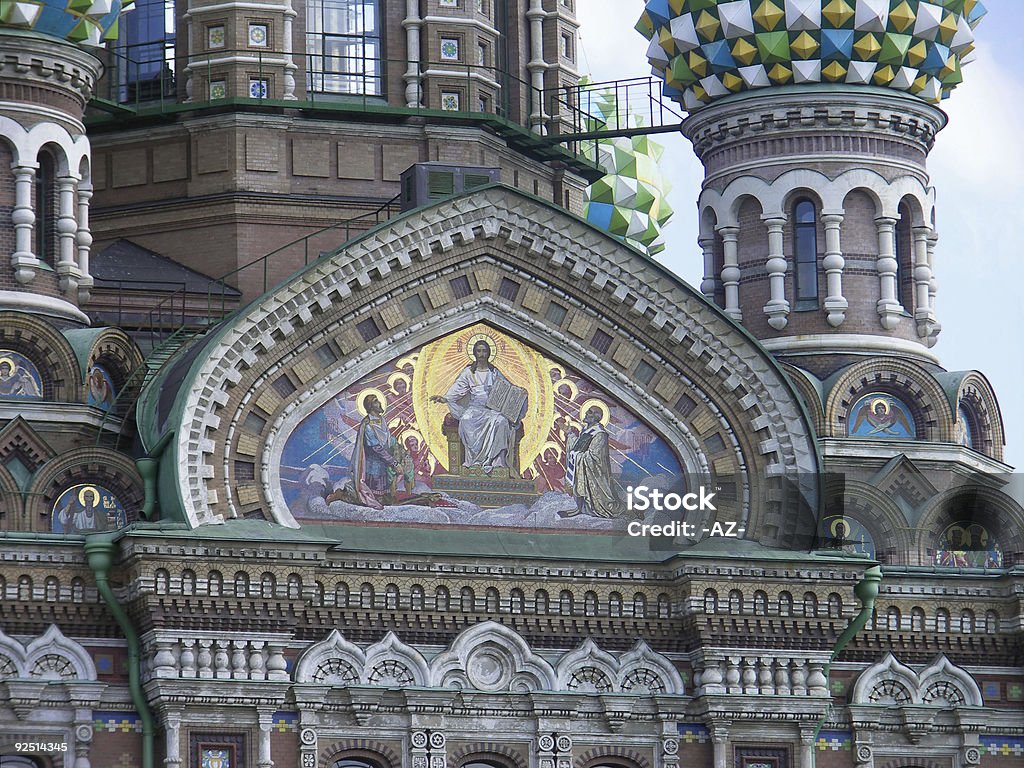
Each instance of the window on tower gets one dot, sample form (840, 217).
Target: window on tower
(904, 257)
(45, 203)
(143, 62)
(343, 47)
(805, 250)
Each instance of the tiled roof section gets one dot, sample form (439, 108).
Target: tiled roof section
(149, 270)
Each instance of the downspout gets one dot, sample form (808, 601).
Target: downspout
(148, 467)
(867, 592)
(99, 551)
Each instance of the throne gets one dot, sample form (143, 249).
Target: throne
(503, 486)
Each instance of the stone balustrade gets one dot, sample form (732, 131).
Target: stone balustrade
(752, 673)
(229, 656)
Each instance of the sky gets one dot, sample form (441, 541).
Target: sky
(977, 168)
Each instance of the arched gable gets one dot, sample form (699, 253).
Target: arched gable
(344, 316)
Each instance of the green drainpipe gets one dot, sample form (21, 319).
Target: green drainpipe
(99, 550)
(149, 468)
(867, 592)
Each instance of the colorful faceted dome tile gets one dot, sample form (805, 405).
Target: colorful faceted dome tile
(630, 201)
(88, 23)
(708, 49)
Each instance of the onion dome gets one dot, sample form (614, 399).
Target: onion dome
(708, 49)
(88, 23)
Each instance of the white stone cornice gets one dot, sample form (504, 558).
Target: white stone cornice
(849, 344)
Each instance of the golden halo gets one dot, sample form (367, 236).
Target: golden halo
(361, 399)
(88, 489)
(605, 412)
(551, 445)
(834, 528)
(399, 377)
(557, 367)
(408, 360)
(471, 345)
(883, 401)
(410, 433)
(573, 389)
(10, 362)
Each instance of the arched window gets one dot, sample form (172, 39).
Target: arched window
(77, 589)
(516, 601)
(241, 584)
(356, 762)
(991, 622)
(710, 602)
(615, 605)
(52, 589)
(341, 594)
(805, 250)
(942, 620)
(492, 600)
(468, 600)
(565, 602)
(294, 586)
(785, 604)
(391, 597)
(214, 584)
(639, 605)
(664, 606)
(416, 597)
(892, 619)
(188, 582)
(760, 603)
(967, 622)
(343, 47)
(735, 602)
(590, 604)
(162, 582)
(917, 620)
(442, 599)
(905, 258)
(835, 606)
(540, 601)
(810, 605)
(366, 596)
(46, 210)
(268, 585)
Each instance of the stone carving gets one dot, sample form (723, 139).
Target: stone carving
(49, 657)
(940, 684)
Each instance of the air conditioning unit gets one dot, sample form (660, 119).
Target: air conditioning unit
(426, 183)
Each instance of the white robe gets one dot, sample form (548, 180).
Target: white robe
(486, 435)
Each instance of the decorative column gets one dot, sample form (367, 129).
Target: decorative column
(537, 66)
(288, 50)
(889, 308)
(266, 726)
(413, 23)
(777, 307)
(308, 748)
(83, 739)
(24, 218)
(807, 746)
(720, 742)
(669, 752)
(834, 264)
(933, 284)
(83, 239)
(67, 229)
(731, 271)
(707, 247)
(172, 735)
(922, 282)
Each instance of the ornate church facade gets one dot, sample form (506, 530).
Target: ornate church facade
(325, 411)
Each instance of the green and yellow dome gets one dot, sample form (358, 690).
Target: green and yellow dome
(89, 23)
(709, 49)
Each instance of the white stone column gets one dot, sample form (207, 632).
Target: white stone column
(835, 303)
(413, 84)
(537, 66)
(288, 50)
(266, 727)
(922, 282)
(83, 240)
(707, 247)
(777, 307)
(67, 229)
(731, 271)
(807, 746)
(720, 742)
(24, 218)
(83, 741)
(889, 308)
(172, 731)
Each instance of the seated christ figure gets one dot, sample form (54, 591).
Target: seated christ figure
(487, 429)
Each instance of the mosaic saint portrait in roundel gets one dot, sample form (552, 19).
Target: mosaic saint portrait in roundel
(19, 377)
(847, 534)
(87, 509)
(100, 387)
(881, 416)
(478, 429)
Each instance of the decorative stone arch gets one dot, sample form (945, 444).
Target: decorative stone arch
(10, 500)
(618, 755)
(639, 664)
(809, 388)
(53, 644)
(47, 348)
(587, 662)
(943, 672)
(488, 751)
(98, 466)
(113, 349)
(976, 393)
(331, 649)
(15, 136)
(390, 650)
(491, 656)
(879, 680)
(873, 509)
(999, 512)
(72, 149)
(733, 376)
(382, 754)
(903, 379)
